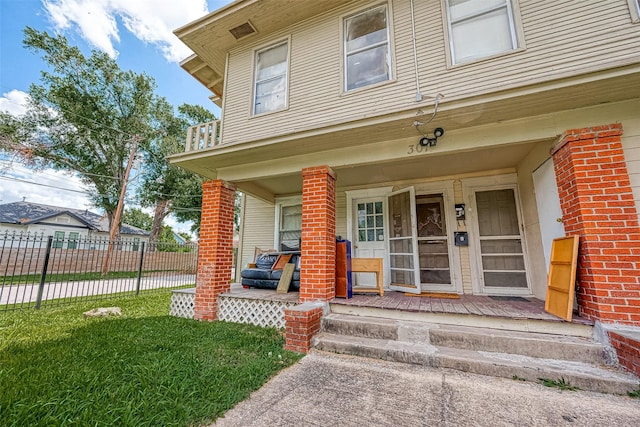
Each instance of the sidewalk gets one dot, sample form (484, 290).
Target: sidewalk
(331, 390)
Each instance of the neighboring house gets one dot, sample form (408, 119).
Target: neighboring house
(67, 226)
(453, 139)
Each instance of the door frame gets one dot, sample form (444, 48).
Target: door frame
(487, 183)
(382, 193)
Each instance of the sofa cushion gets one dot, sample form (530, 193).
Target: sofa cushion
(266, 261)
(263, 274)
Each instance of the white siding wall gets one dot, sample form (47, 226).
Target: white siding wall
(631, 145)
(562, 38)
(258, 228)
(341, 214)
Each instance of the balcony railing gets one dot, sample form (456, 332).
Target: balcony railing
(203, 136)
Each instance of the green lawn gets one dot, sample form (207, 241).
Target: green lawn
(140, 369)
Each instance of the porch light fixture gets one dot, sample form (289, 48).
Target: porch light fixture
(427, 141)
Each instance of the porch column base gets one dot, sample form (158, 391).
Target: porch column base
(302, 323)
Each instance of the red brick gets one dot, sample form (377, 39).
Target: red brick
(216, 253)
(598, 204)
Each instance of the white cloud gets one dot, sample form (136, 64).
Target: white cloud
(18, 182)
(151, 21)
(14, 102)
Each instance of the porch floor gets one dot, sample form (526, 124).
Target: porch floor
(498, 307)
(479, 305)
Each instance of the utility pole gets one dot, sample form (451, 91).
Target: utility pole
(116, 218)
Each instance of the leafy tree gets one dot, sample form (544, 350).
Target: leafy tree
(137, 218)
(84, 117)
(166, 187)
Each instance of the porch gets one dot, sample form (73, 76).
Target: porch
(265, 307)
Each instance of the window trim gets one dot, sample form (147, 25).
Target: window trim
(280, 203)
(389, 42)
(254, 64)
(634, 10)
(515, 29)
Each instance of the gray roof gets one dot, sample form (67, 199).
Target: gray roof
(24, 213)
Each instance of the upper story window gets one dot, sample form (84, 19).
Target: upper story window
(271, 75)
(480, 28)
(367, 58)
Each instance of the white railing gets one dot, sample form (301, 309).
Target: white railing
(203, 136)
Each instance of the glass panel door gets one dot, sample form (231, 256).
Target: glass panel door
(501, 244)
(403, 253)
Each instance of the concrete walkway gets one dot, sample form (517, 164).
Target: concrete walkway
(325, 389)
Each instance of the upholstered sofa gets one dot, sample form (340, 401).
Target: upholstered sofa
(265, 274)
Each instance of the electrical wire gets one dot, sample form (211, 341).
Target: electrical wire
(9, 178)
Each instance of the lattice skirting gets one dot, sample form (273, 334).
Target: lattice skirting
(182, 303)
(258, 312)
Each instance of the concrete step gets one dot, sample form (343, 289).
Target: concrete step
(577, 374)
(578, 329)
(576, 360)
(552, 346)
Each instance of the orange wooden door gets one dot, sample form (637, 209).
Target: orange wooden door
(562, 277)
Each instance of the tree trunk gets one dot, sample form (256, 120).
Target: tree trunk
(161, 211)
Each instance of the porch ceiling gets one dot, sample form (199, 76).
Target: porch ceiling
(421, 167)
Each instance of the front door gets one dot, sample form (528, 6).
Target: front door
(369, 236)
(549, 210)
(403, 248)
(433, 244)
(500, 243)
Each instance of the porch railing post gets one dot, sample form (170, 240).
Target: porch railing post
(140, 268)
(43, 275)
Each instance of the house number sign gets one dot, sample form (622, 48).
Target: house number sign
(416, 149)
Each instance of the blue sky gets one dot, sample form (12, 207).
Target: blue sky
(138, 33)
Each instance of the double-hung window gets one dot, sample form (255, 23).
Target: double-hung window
(289, 226)
(58, 239)
(480, 28)
(271, 75)
(367, 56)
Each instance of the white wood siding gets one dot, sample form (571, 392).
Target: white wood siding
(341, 214)
(631, 146)
(258, 228)
(562, 38)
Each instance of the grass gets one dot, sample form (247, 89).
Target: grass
(635, 393)
(141, 369)
(560, 384)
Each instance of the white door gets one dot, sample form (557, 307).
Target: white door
(500, 243)
(403, 248)
(549, 211)
(369, 235)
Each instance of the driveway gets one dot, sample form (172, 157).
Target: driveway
(333, 390)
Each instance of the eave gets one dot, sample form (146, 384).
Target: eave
(210, 38)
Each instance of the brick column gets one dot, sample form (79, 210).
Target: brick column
(597, 205)
(215, 252)
(318, 251)
(302, 323)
